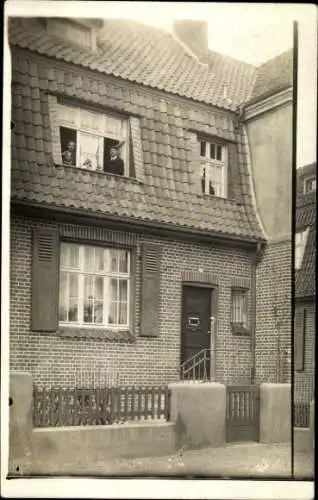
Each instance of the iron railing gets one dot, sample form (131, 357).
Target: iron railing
(198, 367)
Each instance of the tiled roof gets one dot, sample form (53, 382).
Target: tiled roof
(148, 56)
(306, 217)
(274, 75)
(168, 194)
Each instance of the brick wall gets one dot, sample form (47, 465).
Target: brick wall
(273, 331)
(54, 360)
(304, 381)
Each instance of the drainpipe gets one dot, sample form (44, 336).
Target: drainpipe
(253, 307)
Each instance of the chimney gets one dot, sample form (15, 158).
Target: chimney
(193, 34)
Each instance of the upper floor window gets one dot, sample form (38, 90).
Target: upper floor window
(310, 184)
(93, 140)
(94, 286)
(213, 168)
(300, 244)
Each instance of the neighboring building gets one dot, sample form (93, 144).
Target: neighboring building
(305, 284)
(268, 119)
(118, 265)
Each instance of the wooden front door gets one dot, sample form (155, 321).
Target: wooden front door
(196, 312)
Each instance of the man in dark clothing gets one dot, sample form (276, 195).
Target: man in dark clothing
(115, 164)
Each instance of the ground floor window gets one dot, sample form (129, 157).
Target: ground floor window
(94, 285)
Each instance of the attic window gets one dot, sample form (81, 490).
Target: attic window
(300, 245)
(72, 31)
(92, 140)
(310, 184)
(213, 161)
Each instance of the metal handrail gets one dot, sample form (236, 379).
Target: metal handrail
(193, 363)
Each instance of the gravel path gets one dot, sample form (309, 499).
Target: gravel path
(232, 460)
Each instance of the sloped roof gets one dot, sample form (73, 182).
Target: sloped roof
(306, 217)
(148, 56)
(274, 75)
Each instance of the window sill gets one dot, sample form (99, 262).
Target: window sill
(96, 333)
(98, 172)
(239, 330)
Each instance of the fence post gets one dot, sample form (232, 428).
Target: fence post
(20, 421)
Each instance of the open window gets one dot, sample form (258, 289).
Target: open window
(213, 162)
(92, 140)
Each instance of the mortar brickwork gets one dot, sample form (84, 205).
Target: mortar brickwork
(273, 283)
(53, 360)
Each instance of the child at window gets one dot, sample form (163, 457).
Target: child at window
(68, 156)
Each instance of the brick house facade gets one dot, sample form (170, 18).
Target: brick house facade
(305, 285)
(159, 227)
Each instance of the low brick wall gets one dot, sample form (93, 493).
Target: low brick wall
(275, 413)
(199, 412)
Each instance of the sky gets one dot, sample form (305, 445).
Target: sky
(251, 32)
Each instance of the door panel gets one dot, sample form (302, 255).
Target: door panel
(196, 311)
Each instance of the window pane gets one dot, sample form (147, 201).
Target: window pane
(73, 285)
(88, 287)
(219, 152)
(74, 255)
(89, 151)
(212, 151)
(88, 310)
(89, 258)
(64, 254)
(63, 299)
(113, 289)
(202, 148)
(112, 316)
(123, 261)
(99, 288)
(113, 260)
(73, 310)
(122, 313)
(99, 259)
(123, 290)
(98, 312)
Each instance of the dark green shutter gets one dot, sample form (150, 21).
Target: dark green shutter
(233, 173)
(45, 280)
(299, 339)
(150, 290)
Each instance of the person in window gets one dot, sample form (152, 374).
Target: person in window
(211, 188)
(68, 156)
(115, 164)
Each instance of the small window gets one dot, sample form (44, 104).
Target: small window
(239, 308)
(93, 141)
(94, 286)
(213, 168)
(300, 245)
(310, 184)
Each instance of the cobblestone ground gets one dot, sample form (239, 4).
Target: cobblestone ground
(233, 460)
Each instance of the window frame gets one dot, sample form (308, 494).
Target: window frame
(240, 328)
(76, 125)
(208, 163)
(107, 276)
(306, 180)
(300, 247)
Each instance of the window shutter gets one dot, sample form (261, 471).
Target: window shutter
(45, 280)
(55, 129)
(233, 172)
(299, 338)
(138, 156)
(150, 290)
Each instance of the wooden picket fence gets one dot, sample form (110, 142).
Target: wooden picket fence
(99, 406)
